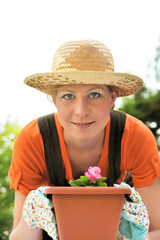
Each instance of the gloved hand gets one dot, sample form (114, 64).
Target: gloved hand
(38, 214)
(134, 222)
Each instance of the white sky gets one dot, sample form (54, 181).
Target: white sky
(32, 30)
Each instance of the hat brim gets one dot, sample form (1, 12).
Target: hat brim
(123, 83)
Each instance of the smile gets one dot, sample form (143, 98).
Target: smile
(85, 124)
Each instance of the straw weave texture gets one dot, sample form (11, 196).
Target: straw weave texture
(84, 62)
(83, 56)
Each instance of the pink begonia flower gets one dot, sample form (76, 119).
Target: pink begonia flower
(93, 174)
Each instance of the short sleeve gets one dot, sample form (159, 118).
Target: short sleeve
(140, 153)
(28, 169)
(155, 161)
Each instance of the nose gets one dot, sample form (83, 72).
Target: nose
(82, 108)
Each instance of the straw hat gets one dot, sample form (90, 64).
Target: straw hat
(84, 62)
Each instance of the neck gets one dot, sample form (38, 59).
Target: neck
(85, 144)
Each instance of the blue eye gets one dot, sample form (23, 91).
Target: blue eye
(68, 96)
(94, 95)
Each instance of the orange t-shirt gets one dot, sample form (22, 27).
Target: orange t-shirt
(139, 154)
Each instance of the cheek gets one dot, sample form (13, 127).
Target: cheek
(61, 104)
(110, 102)
(103, 111)
(62, 119)
(63, 115)
(106, 105)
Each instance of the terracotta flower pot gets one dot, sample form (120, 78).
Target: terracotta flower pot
(88, 213)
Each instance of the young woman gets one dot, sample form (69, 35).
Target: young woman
(84, 87)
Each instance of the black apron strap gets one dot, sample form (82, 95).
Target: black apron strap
(114, 156)
(52, 149)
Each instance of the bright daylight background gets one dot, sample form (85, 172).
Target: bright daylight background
(31, 31)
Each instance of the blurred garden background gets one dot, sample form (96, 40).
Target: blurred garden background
(30, 32)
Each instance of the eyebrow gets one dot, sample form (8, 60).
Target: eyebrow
(66, 90)
(96, 88)
(72, 91)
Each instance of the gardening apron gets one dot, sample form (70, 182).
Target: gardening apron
(53, 155)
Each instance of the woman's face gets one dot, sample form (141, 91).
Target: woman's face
(83, 110)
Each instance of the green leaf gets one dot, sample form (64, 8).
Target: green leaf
(84, 179)
(103, 178)
(102, 184)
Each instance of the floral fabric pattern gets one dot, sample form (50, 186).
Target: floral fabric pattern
(134, 222)
(38, 214)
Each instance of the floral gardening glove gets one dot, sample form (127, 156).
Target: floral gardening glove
(38, 214)
(134, 222)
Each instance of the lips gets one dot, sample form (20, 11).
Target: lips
(84, 124)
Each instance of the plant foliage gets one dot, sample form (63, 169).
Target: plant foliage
(8, 133)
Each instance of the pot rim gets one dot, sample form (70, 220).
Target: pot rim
(88, 190)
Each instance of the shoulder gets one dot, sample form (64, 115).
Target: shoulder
(136, 127)
(131, 122)
(29, 135)
(32, 129)
(138, 136)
